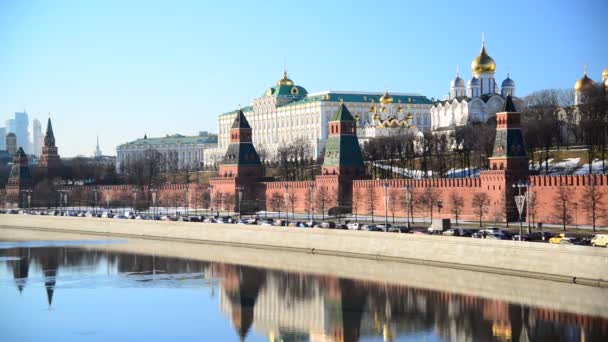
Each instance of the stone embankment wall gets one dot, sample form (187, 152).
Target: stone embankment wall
(578, 264)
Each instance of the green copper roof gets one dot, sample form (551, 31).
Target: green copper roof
(343, 150)
(243, 153)
(346, 98)
(509, 143)
(285, 90)
(175, 139)
(343, 114)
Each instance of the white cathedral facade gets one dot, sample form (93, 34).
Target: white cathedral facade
(478, 101)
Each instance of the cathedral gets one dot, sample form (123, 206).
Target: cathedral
(478, 101)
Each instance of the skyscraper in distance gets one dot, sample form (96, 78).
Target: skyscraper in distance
(21, 131)
(3, 134)
(38, 138)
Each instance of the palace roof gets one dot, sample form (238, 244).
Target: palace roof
(346, 97)
(175, 139)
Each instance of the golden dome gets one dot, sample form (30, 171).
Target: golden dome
(285, 81)
(585, 84)
(376, 116)
(386, 98)
(605, 75)
(409, 116)
(483, 63)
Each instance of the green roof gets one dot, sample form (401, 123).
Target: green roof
(343, 150)
(285, 90)
(343, 114)
(175, 139)
(345, 97)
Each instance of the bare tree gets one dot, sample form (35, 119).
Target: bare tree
(456, 204)
(324, 200)
(370, 200)
(229, 201)
(393, 200)
(292, 199)
(561, 205)
(276, 202)
(357, 198)
(481, 205)
(218, 200)
(592, 202)
(428, 199)
(532, 208)
(308, 201)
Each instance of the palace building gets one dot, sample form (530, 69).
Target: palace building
(479, 101)
(286, 113)
(178, 151)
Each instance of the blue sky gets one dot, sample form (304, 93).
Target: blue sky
(124, 68)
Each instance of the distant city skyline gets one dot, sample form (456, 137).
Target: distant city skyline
(121, 70)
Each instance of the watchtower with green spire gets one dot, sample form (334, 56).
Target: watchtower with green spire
(342, 153)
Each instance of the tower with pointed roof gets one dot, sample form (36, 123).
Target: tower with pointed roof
(509, 160)
(343, 160)
(342, 153)
(241, 167)
(50, 159)
(20, 179)
(241, 159)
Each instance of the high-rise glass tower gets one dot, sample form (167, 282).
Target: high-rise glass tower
(38, 138)
(21, 131)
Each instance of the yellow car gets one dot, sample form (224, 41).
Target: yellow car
(600, 240)
(557, 238)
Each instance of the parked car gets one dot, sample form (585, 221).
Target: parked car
(419, 231)
(354, 226)
(540, 236)
(383, 228)
(557, 239)
(394, 229)
(600, 240)
(267, 222)
(328, 224)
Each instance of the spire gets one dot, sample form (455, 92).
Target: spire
(585, 69)
(483, 39)
(509, 106)
(49, 138)
(240, 121)
(457, 70)
(343, 114)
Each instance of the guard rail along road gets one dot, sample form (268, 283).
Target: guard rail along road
(566, 263)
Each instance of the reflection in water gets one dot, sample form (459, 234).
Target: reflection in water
(289, 306)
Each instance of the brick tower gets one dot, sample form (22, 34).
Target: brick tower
(241, 166)
(19, 179)
(509, 160)
(49, 159)
(343, 158)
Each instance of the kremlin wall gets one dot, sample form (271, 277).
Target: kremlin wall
(345, 187)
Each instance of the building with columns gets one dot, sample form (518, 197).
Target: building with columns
(478, 101)
(286, 113)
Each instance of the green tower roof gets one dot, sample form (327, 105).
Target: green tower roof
(343, 114)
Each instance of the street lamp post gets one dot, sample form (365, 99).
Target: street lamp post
(211, 198)
(95, 201)
(519, 201)
(408, 200)
(29, 199)
(63, 197)
(385, 185)
(154, 191)
(439, 207)
(312, 201)
(134, 200)
(186, 204)
(286, 205)
(240, 189)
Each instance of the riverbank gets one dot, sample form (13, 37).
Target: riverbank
(563, 263)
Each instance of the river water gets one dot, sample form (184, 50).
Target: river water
(83, 291)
